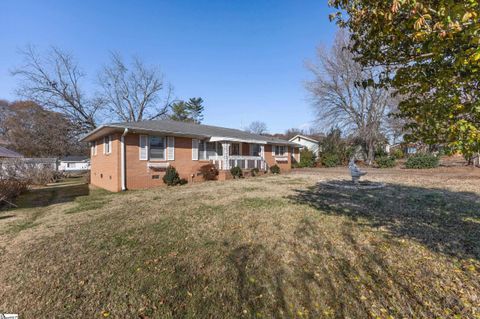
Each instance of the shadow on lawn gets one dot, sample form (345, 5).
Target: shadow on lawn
(322, 280)
(445, 221)
(46, 196)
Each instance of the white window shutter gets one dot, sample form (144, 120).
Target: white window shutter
(194, 149)
(170, 148)
(273, 149)
(143, 147)
(109, 144)
(104, 145)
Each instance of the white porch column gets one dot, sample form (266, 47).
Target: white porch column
(262, 155)
(226, 156)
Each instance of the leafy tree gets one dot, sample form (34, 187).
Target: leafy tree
(431, 52)
(36, 132)
(307, 158)
(257, 127)
(190, 111)
(335, 149)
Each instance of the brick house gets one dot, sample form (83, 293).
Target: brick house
(135, 155)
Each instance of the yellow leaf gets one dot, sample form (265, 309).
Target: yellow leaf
(476, 56)
(466, 16)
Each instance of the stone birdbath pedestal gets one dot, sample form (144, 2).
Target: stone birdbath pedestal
(355, 184)
(355, 172)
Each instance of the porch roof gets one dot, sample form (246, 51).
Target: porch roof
(214, 133)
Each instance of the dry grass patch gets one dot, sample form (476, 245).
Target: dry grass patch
(266, 247)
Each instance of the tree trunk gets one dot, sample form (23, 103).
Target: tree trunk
(370, 152)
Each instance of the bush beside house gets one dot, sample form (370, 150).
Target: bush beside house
(307, 158)
(171, 177)
(422, 160)
(385, 161)
(209, 172)
(275, 169)
(236, 172)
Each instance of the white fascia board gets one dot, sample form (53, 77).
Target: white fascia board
(303, 137)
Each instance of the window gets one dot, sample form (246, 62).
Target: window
(107, 144)
(201, 150)
(157, 147)
(255, 149)
(235, 149)
(211, 149)
(219, 149)
(279, 150)
(94, 147)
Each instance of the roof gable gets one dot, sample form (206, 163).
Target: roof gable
(5, 152)
(303, 137)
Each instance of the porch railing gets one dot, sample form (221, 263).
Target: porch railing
(244, 162)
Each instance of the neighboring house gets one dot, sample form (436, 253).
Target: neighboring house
(20, 164)
(41, 162)
(6, 153)
(135, 155)
(74, 164)
(308, 142)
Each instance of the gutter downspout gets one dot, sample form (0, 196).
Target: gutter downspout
(123, 175)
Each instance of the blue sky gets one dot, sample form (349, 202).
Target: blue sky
(244, 58)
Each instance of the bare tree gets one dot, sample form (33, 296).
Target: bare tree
(54, 81)
(133, 92)
(345, 95)
(257, 127)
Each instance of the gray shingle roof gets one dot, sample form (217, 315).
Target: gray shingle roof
(201, 130)
(5, 152)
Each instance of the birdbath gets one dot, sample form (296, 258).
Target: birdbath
(355, 172)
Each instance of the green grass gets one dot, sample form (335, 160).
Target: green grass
(95, 200)
(283, 247)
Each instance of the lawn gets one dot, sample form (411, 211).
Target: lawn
(266, 247)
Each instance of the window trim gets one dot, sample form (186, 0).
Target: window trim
(144, 146)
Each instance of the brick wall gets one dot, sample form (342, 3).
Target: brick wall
(139, 175)
(105, 168)
(286, 166)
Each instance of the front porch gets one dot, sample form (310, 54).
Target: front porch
(227, 154)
